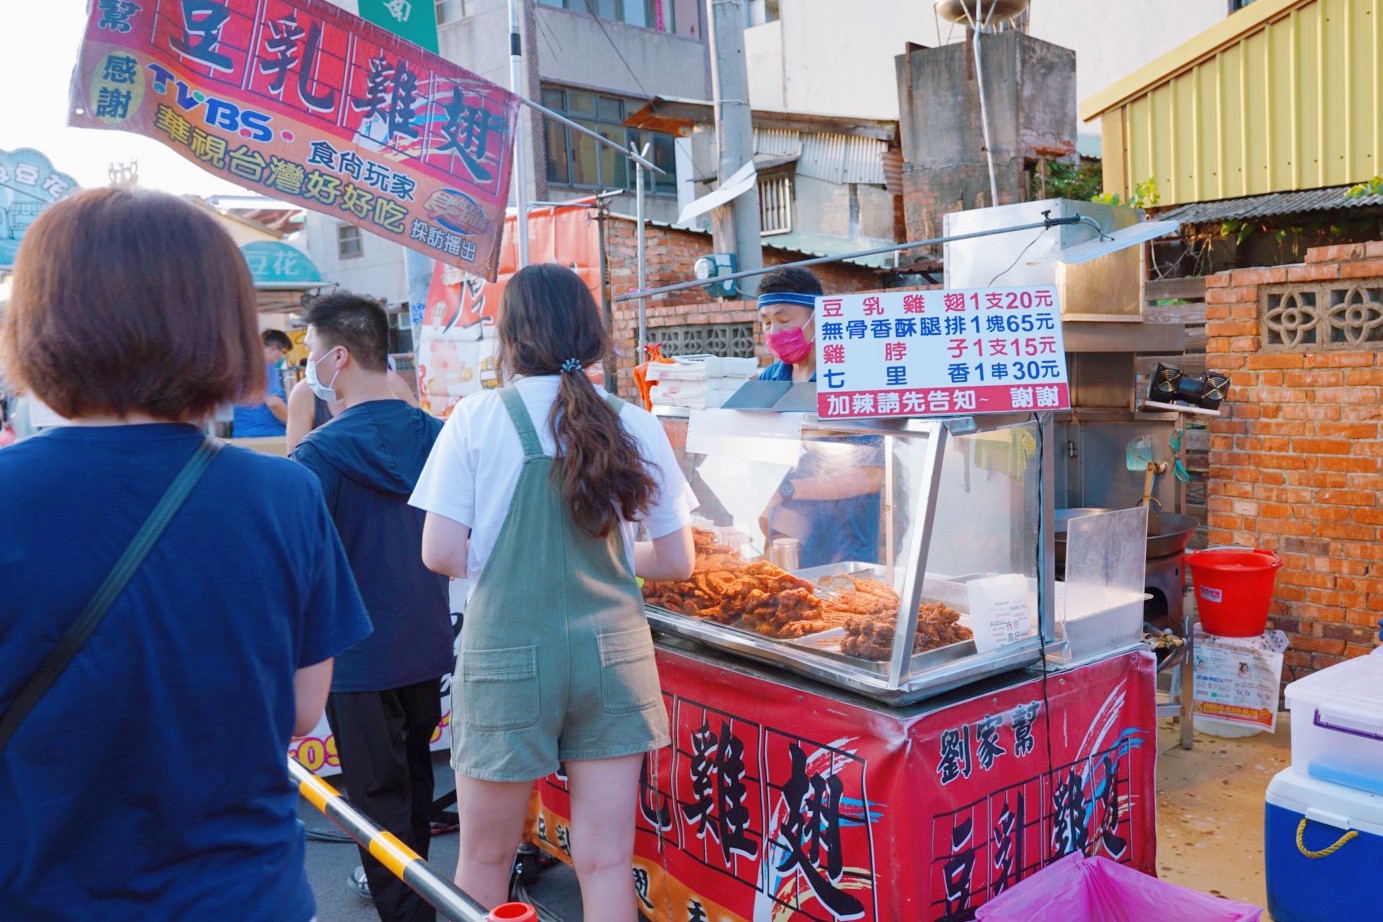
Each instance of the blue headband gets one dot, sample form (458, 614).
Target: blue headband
(787, 297)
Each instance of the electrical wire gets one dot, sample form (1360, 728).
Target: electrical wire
(615, 48)
(545, 32)
(1016, 258)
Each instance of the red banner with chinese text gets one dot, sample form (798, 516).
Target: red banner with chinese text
(780, 804)
(304, 102)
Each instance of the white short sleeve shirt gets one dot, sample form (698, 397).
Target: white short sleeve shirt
(473, 470)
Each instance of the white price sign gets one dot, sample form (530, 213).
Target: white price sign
(940, 353)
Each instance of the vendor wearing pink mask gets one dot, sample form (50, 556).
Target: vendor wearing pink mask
(787, 302)
(831, 500)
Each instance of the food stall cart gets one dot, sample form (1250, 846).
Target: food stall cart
(897, 737)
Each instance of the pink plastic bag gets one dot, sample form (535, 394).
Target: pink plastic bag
(1081, 889)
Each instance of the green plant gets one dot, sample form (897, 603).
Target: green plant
(1372, 187)
(1144, 195)
(1055, 179)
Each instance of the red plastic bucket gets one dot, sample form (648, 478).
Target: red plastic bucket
(1234, 587)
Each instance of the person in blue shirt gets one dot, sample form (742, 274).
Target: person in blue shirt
(386, 693)
(830, 501)
(266, 417)
(149, 782)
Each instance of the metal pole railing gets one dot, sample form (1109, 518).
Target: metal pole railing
(404, 863)
(891, 248)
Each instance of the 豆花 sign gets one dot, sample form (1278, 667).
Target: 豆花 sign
(940, 353)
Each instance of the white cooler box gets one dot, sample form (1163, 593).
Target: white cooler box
(1337, 724)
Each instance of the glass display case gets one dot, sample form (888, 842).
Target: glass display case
(894, 558)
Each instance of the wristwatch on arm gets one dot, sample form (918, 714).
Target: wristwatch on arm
(786, 488)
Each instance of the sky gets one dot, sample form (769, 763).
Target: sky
(38, 49)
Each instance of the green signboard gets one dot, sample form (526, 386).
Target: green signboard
(274, 264)
(411, 20)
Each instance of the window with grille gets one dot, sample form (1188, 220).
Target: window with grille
(730, 340)
(348, 242)
(775, 203)
(575, 159)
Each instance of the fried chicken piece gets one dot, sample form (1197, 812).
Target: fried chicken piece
(871, 637)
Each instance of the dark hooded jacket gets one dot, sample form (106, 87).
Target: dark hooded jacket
(368, 460)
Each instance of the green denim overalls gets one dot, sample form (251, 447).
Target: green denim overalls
(556, 659)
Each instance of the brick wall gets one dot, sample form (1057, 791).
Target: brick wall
(1296, 461)
(668, 257)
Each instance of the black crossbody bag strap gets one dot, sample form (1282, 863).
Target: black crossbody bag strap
(81, 630)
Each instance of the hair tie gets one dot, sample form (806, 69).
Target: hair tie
(571, 366)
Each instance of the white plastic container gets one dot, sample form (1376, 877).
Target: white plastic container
(1337, 724)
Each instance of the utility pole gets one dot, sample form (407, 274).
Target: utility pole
(734, 227)
(520, 172)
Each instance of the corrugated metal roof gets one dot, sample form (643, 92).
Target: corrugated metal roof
(1264, 206)
(777, 142)
(1282, 96)
(841, 159)
(824, 245)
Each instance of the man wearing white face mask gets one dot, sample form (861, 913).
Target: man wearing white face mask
(385, 696)
(830, 501)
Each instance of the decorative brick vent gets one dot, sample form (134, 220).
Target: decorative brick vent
(1313, 318)
(735, 340)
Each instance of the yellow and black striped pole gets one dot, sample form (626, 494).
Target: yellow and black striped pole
(402, 861)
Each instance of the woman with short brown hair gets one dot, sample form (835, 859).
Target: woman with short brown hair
(148, 779)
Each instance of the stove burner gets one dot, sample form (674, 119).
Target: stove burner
(1166, 582)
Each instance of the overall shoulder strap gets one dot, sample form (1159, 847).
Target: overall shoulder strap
(532, 447)
(76, 636)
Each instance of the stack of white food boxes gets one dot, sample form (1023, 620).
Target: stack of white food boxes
(1323, 839)
(698, 381)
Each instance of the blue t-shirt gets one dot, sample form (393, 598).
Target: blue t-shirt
(840, 529)
(778, 371)
(149, 782)
(257, 419)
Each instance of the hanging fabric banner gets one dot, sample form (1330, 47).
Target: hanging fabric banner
(304, 102)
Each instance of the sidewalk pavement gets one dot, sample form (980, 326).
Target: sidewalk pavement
(1210, 805)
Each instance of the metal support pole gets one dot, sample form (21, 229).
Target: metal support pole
(978, 21)
(520, 153)
(402, 861)
(736, 225)
(892, 248)
(641, 355)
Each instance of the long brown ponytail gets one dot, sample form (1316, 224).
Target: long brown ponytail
(549, 325)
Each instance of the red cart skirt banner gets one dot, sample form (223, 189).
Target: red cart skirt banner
(301, 101)
(778, 803)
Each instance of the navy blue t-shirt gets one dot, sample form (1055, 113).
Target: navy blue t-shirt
(149, 783)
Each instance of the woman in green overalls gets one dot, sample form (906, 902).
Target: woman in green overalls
(534, 492)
